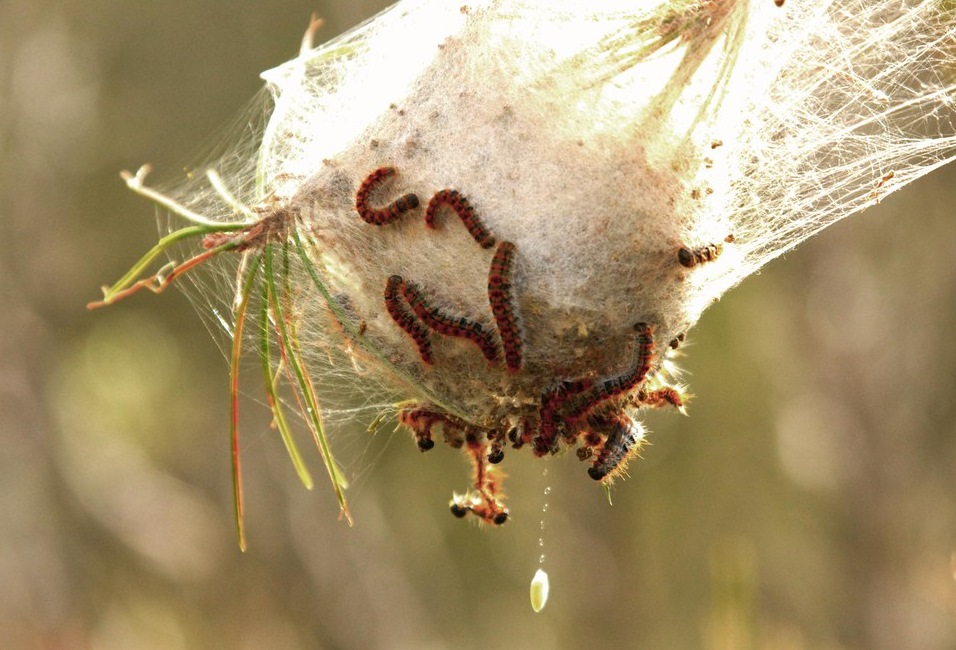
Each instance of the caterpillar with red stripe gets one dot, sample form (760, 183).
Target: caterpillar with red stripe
(623, 436)
(391, 212)
(623, 383)
(503, 304)
(552, 400)
(460, 205)
(483, 500)
(399, 310)
(422, 420)
(459, 327)
(661, 397)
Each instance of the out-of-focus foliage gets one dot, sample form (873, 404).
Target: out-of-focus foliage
(809, 501)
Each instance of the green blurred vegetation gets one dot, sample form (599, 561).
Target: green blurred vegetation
(808, 502)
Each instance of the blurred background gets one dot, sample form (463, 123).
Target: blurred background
(808, 502)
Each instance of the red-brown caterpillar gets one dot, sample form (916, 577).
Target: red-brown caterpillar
(623, 383)
(483, 501)
(403, 316)
(446, 325)
(483, 448)
(421, 420)
(623, 434)
(545, 442)
(454, 200)
(661, 398)
(503, 304)
(691, 257)
(392, 211)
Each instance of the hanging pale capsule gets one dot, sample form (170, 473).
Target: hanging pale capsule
(539, 590)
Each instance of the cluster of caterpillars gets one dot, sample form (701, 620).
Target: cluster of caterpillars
(408, 304)
(409, 307)
(591, 413)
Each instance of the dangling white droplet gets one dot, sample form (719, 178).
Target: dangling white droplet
(539, 590)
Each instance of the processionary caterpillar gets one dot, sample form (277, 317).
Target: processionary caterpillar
(454, 200)
(391, 212)
(459, 327)
(399, 311)
(503, 304)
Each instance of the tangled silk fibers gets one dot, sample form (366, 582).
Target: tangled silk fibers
(514, 209)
